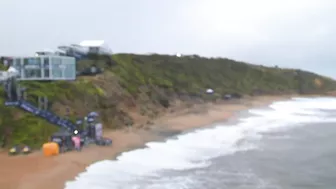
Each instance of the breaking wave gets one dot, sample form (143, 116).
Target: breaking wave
(142, 168)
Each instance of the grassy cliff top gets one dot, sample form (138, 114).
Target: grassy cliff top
(147, 85)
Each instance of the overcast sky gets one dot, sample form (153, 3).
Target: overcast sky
(290, 33)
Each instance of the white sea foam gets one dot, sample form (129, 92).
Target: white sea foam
(142, 168)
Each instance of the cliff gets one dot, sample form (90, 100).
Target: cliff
(135, 89)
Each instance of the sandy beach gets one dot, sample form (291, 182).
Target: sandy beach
(38, 172)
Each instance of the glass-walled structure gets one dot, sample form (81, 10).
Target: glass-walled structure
(45, 67)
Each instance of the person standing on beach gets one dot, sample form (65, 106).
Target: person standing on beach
(76, 141)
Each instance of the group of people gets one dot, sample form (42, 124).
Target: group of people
(84, 133)
(76, 138)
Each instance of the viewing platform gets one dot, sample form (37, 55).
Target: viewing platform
(45, 67)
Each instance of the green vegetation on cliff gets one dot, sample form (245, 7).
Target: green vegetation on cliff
(148, 84)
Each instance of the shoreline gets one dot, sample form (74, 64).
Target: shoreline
(35, 171)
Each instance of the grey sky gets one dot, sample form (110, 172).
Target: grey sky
(290, 33)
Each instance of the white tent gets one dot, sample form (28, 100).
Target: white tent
(10, 73)
(96, 46)
(209, 91)
(11, 69)
(92, 43)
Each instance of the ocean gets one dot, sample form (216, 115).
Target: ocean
(286, 145)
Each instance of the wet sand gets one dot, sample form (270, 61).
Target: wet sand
(35, 171)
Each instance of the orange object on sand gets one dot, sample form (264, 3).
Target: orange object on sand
(50, 149)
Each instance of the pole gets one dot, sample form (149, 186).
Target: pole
(67, 112)
(39, 104)
(45, 103)
(8, 90)
(18, 92)
(24, 94)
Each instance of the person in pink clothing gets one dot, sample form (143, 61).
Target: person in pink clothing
(76, 141)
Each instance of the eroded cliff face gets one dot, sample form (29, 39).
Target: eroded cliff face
(136, 89)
